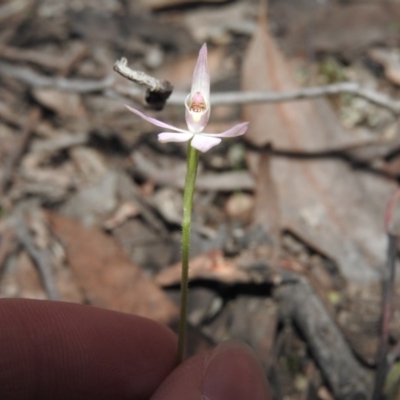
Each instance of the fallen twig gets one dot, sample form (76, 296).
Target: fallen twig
(158, 91)
(141, 78)
(231, 98)
(353, 88)
(32, 78)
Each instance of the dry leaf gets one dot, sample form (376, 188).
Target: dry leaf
(106, 275)
(211, 265)
(323, 200)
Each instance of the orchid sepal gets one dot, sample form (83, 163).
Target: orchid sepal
(197, 103)
(201, 76)
(154, 121)
(237, 130)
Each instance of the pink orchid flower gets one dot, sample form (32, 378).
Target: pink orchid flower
(197, 113)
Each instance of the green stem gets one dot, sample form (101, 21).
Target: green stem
(191, 171)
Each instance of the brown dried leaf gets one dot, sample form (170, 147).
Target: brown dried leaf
(211, 265)
(106, 275)
(321, 199)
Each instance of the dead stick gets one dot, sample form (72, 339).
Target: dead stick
(32, 78)
(158, 91)
(156, 87)
(353, 88)
(140, 77)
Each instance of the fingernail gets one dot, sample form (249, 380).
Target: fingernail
(234, 373)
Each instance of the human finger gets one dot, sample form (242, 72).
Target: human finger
(231, 372)
(55, 350)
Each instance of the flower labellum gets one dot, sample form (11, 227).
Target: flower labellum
(197, 113)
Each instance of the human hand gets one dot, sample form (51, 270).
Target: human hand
(56, 351)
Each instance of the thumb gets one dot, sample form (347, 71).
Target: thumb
(230, 371)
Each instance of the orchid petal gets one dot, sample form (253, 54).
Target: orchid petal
(196, 121)
(204, 142)
(165, 137)
(154, 121)
(236, 130)
(201, 76)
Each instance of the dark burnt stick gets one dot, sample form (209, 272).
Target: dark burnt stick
(158, 91)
